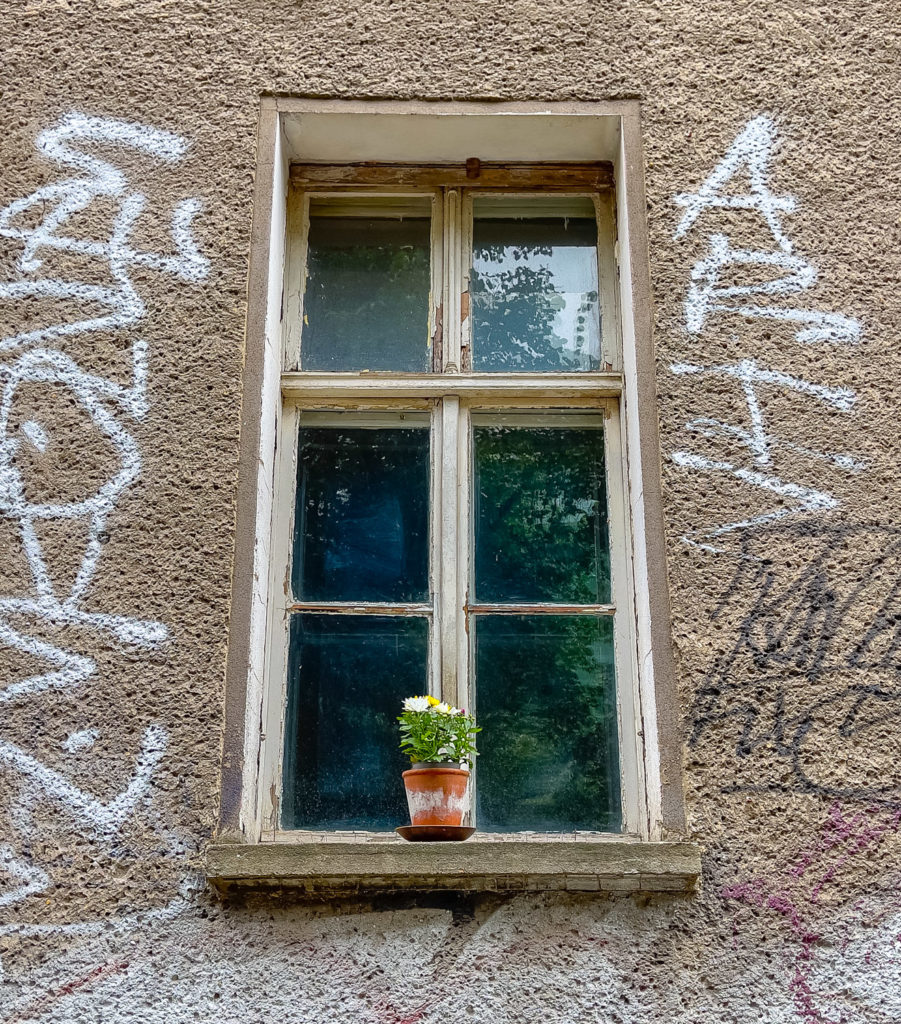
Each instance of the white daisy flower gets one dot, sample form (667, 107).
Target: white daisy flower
(416, 704)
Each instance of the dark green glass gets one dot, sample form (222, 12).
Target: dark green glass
(347, 678)
(534, 294)
(366, 301)
(361, 523)
(549, 750)
(540, 515)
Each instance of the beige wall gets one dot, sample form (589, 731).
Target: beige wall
(785, 634)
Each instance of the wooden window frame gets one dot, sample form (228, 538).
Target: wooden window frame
(300, 138)
(452, 394)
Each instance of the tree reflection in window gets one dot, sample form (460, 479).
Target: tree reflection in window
(534, 294)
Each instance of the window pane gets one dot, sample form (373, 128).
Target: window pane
(361, 528)
(546, 703)
(534, 285)
(366, 302)
(347, 676)
(540, 515)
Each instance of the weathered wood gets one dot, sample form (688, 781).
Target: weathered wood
(357, 608)
(541, 609)
(553, 386)
(558, 177)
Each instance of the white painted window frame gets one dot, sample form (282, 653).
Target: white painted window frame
(450, 648)
(333, 131)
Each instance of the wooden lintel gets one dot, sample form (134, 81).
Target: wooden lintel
(562, 176)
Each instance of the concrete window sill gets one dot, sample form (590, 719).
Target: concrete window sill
(476, 865)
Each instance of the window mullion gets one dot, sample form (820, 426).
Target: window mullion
(465, 256)
(453, 278)
(272, 719)
(437, 303)
(463, 555)
(297, 232)
(611, 342)
(631, 730)
(448, 468)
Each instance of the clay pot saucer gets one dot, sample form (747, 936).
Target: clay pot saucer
(434, 833)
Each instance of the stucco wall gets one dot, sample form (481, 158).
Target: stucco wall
(778, 458)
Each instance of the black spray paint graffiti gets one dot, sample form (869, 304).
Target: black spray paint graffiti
(817, 657)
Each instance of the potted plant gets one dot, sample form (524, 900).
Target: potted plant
(440, 741)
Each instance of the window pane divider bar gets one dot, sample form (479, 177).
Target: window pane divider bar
(310, 385)
(541, 609)
(354, 608)
(447, 548)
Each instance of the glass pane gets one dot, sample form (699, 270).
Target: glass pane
(548, 747)
(534, 285)
(540, 515)
(361, 524)
(366, 302)
(347, 676)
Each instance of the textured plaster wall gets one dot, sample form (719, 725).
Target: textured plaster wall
(118, 452)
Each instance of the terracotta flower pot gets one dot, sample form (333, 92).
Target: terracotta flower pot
(436, 794)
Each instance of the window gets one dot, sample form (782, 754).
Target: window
(451, 497)
(450, 483)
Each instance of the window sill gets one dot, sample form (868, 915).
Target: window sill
(478, 865)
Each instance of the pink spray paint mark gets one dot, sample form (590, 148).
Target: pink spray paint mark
(40, 1004)
(843, 840)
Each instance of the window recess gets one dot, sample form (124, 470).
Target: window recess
(435, 307)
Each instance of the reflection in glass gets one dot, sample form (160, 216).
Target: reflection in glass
(534, 286)
(366, 301)
(347, 677)
(361, 519)
(549, 757)
(540, 515)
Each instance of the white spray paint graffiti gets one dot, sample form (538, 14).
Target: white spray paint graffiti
(83, 739)
(109, 405)
(752, 151)
(31, 878)
(99, 817)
